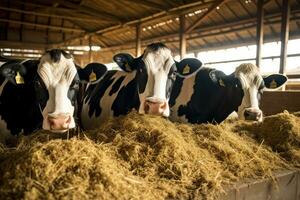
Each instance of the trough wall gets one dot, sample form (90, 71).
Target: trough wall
(277, 101)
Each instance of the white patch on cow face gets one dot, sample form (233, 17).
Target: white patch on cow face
(158, 64)
(185, 95)
(251, 80)
(57, 77)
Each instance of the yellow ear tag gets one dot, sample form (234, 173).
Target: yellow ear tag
(92, 77)
(186, 69)
(273, 84)
(221, 82)
(127, 67)
(19, 79)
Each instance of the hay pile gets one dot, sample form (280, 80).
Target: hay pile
(146, 157)
(281, 132)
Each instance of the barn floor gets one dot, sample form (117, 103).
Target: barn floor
(147, 157)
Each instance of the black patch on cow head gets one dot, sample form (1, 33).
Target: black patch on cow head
(274, 81)
(125, 62)
(188, 66)
(92, 72)
(13, 71)
(55, 54)
(129, 64)
(223, 80)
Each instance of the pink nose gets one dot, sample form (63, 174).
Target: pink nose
(60, 122)
(155, 108)
(253, 114)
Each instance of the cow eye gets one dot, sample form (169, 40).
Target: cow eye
(39, 84)
(75, 84)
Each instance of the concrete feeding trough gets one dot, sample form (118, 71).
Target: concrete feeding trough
(287, 187)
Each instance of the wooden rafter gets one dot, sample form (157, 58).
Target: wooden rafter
(247, 11)
(41, 25)
(100, 41)
(236, 16)
(89, 11)
(171, 12)
(45, 7)
(148, 4)
(205, 31)
(216, 4)
(48, 14)
(5, 43)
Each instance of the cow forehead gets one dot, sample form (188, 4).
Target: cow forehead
(249, 75)
(53, 72)
(156, 59)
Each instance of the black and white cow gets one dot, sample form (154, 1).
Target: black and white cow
(16, 97)
(144, 84)
(41, 93)
(210, 95)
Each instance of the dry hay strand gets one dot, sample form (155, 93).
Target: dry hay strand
(190, 160)
(138, 157)
(281, 132)
(68, 169)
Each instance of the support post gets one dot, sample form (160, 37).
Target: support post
(182, 37)
(90, 50)
(285, 18)
(259, 31)
(138, 42)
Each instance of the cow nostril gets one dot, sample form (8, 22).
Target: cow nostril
(163, 106)
(259, 115)
(68, 121)
(146, 107)
(246, 114)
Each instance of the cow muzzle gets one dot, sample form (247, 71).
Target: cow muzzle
(59, 123)
(253, 114)
(155, 106)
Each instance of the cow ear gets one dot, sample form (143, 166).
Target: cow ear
(188, 66)
(124, 61)
(92, 72)
(275, 81)
(223, 80)
(13, 72)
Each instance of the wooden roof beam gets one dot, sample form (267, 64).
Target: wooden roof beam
(22, 45)
(48, 15)
(147, 4)
(248, 23)
(89, 11)
(216, 4)
(37, 5)
(173, 11)
(42, 25)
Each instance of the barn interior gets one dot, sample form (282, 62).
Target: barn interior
(220, 33)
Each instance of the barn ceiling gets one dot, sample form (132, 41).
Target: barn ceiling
(43, 24)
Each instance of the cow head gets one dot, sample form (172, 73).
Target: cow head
(56, 85)
(248, 78)
(13, 71)
(155, 73)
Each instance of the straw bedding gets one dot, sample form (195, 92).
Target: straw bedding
(148, 157)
